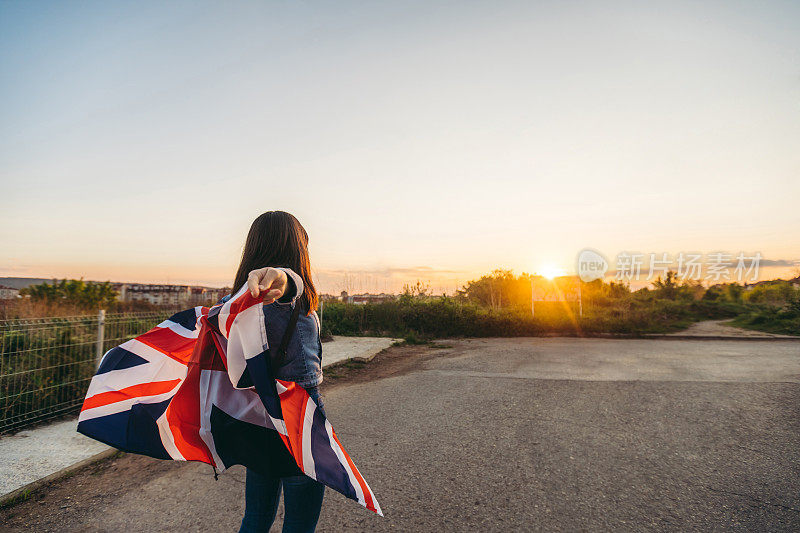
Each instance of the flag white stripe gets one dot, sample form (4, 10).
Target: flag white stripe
(308, 457)
(206, 393)
(372, 495)
(114, 380)
(124, 405)
(167, 438)
(246, 339)
(279, 424)
(249, 333)
(179, 330)
(225, 312)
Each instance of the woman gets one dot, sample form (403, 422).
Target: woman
(275, 262)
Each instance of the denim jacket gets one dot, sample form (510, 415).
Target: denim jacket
(303, 363)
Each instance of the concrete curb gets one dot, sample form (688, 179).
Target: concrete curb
(365, 359)
(9, 498)
(368, 359)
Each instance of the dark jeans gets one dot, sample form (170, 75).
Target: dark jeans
(302, 498)
(302, 501)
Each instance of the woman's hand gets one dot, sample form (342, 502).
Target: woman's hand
(270, 281)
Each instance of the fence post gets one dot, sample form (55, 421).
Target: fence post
(101, 334)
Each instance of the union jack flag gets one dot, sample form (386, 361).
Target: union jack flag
(199, 387)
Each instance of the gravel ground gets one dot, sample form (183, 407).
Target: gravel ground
(479, 435)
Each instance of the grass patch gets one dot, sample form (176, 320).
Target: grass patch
(781, 322)
(19, 498)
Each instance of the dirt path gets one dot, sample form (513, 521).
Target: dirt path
(719, 328)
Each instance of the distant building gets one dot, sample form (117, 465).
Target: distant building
(155, 294)
(205, 295)
(365, 298)
(8, 293)
(169, 295)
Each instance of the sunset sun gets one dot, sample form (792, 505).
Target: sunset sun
(551, 271)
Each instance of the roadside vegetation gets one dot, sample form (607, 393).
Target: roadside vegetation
(499, 305)
(773, 307)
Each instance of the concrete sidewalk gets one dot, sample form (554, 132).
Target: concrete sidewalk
(33, 457)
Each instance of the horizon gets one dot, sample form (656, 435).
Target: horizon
(140, 141)
(367, 285)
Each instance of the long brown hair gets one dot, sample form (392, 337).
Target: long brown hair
(277, 239)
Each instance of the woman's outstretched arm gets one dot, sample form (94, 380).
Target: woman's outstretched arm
(274, 282)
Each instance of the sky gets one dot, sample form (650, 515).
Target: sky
(430, 141)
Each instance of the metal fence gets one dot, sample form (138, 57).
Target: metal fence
(46, 363)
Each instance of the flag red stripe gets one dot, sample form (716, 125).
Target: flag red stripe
(183, 416)
(169, 343)
(293, 404)
(134, 391)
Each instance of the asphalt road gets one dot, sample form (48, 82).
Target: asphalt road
(512, 435)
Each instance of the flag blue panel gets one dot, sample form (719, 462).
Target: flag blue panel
(133, 431)
(326, 464)
(187, 319)
(119, 358)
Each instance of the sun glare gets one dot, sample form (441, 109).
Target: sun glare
(551, 271)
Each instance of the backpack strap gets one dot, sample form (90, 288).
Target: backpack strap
(277, 358)
(319, 337)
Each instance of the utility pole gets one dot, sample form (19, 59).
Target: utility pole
(101, 334)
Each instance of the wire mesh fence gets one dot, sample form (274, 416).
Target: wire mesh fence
(46, 363)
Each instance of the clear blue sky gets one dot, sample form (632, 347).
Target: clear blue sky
(430, 140)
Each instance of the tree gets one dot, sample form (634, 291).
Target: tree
(501, 288)
(667, 287)
(418, 290)
(88, 295)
